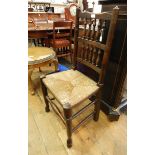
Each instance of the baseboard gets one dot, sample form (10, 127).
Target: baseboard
(112, 114)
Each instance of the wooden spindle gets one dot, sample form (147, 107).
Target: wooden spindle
(89, 30)
(86, 52)
(79, 52)
(85, 24)
(90, 54)
(93, 31)
(98, 60)
(82, 50)
(98, 34)
(94, 56)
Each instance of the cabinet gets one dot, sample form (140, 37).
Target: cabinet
(115, 88)
(115, 85)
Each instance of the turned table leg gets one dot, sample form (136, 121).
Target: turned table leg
(55, 64)
(30, 80)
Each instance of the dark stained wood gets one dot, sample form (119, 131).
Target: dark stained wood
(61, 41)
(91, 42)
(88, 50)
(68, 114)
(112, 94)
(91, 49)
(44, 91)
(55, 108)
(83, 121)
(83, 109)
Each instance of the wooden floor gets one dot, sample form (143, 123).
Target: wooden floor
(47, 134)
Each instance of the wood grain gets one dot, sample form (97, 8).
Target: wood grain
(47, 133)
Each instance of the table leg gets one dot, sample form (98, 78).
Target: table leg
(55, 64)
(30, 80)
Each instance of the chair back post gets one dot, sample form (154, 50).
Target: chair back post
(108, 46)
(63, 24)
(54, 32)
(89, 48)
(76, 32)
(71, 32)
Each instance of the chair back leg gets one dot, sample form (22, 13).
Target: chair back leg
(97, 107)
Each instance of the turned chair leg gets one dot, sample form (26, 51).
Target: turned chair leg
(97, 110)
(44, 91)
(68, 114)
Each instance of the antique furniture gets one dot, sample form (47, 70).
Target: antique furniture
(115, 84)
(39, 57)
(70, 12)
(61, 41)
(71, 88)
(40, 19)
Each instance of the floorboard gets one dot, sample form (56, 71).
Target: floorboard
(47, 134)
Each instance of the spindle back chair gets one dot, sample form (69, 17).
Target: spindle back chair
(71, 88)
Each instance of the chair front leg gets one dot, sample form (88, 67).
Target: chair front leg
(68, 117)
(30, 80)
(44, 91)
(97, 107)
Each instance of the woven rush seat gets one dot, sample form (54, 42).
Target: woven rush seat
(61, 42)
(70, 86)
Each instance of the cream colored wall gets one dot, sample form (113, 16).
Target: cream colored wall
(80, 4)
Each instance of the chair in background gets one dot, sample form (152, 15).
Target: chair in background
(62, 38)
(71, 88)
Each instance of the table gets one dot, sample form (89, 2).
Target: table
(44, 26)
(39, 57)
(43, 29)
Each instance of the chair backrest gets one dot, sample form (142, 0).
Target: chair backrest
(89, 48)
(62, 25)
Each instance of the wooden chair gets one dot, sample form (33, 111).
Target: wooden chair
(62, 38)
(70, 88)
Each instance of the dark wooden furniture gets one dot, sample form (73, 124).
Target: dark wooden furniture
(115, 86)
(40, 21)
(71, 88)
(61, 41)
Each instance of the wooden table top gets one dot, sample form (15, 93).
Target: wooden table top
(38, 55)
(43, 25)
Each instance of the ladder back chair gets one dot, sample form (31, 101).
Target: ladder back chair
(71, 88)
(62, 38)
